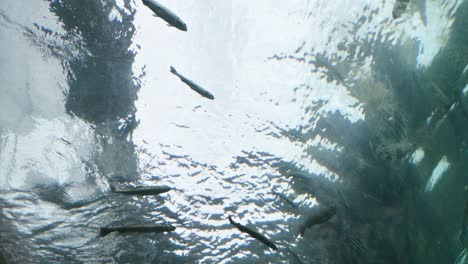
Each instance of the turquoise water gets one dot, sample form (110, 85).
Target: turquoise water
(326, 103)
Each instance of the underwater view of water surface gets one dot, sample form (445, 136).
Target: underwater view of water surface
(204, 131)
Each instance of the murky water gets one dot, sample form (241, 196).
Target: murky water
(317, 103)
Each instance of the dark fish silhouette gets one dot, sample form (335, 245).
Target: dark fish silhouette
(297, 259)
(165, 14)
(193, 85)
(353, 242)
(319, 216)
(142, 190)
(253, 234)
(286, 199)
(299, 175)
(399, 8)
(103, 231)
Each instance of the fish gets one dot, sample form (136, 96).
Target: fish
(462, 257)
(286, 199)
(193, 85)
(411, 7)
(165, 14)
(297, 259)
(464, 225)
(254, 234)
(399, 8)
(352, 241)
(319, 216)
(299, 175)
(142, 190)
(103, 231)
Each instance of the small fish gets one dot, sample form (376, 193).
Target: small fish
(464, 225)
(286, 199)
(165, 14)
(352, 241)
(193, 85)
(142, 190)
(399, 8)
(103, 231)
(463, 256)
(297, 259)
(299, 175)
(319, 216)
(253, 234)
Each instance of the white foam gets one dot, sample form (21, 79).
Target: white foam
(437, 173)
(8, 144)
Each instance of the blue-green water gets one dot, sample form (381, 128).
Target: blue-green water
(324, 102)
